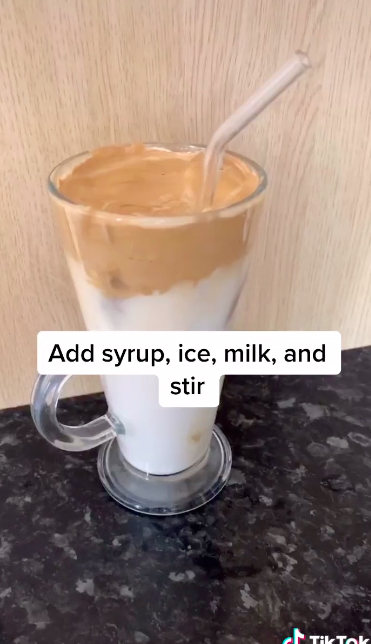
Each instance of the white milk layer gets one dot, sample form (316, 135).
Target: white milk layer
(160, 440)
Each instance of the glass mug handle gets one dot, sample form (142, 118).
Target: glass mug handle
(78, 438)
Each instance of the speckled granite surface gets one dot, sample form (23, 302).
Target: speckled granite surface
(287, 543)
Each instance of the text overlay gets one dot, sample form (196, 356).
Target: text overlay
(188, 364)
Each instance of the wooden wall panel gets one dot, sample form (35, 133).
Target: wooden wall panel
(80, 73)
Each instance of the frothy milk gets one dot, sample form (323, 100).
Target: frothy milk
(141, 260)
(159, 440)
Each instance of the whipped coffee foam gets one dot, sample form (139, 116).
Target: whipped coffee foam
(139, 180)
(141, 247)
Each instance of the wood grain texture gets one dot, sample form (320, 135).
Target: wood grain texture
(81, 73)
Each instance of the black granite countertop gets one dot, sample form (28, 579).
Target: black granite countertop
(285, 545)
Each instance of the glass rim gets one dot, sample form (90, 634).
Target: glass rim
(171, 218)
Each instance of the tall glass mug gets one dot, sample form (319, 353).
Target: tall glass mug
(139, 272)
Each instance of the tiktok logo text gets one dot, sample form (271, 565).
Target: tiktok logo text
(325, 639)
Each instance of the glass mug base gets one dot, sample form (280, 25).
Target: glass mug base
(165, 495)
(159, 495)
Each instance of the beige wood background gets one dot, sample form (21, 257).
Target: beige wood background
(80, 73)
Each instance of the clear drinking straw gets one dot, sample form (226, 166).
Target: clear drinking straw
(277, 84)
